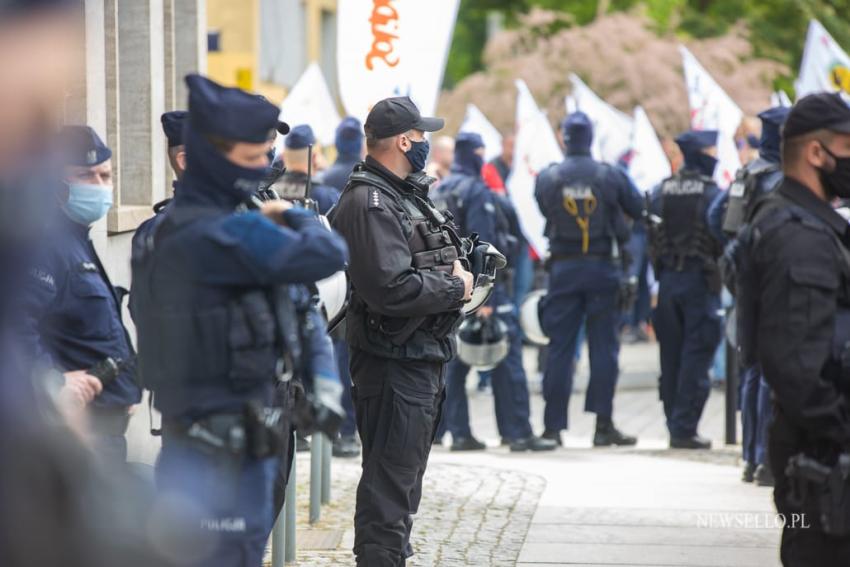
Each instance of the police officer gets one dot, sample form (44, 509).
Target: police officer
(293, 184)
(477, 209)
(687, 319)
(754, 181)
(172, 126)
(74, 311)
(349, 152)
(407, 291)
(799, 250)
(296, 157)
(213, 319)
(762, 174)
(583, 202)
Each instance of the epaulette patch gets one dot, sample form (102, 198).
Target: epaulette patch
(375, 199)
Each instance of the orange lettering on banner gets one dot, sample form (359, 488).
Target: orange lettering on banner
(383, 15)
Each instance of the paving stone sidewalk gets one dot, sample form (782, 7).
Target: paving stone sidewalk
(469, 516)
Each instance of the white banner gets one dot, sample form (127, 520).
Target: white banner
(825, 66)
(392, 48)
(649, 164)
(612, 129)
(713, 109)
(535, 148)
(476, 122)
(310, 102)
(780, 98)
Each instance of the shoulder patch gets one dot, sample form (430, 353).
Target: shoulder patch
(374, 201)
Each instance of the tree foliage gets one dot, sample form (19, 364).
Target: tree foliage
(777, 27)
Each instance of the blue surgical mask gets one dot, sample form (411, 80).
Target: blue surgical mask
(417, 155)
(87, 203)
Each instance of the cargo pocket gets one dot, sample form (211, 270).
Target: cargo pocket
(410, 429)
(811, 282)
(94, 308)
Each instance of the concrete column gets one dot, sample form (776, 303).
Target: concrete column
(141, 76)
(113, 99)
(190, 44)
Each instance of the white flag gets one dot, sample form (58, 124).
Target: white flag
(712, 109)
(535, 148)
(476, 122)
(392, 48)
(612, 129)
(310, 102)
(649, 164)
(780, 98)
(825, 66)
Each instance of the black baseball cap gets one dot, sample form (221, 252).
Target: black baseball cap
(394, 116)
(820, 111)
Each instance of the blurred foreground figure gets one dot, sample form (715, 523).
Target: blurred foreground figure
(687, 319)
(217, 326)
(794, 293)
(584, 203)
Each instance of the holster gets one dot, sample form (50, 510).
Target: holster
(823, 491)
(256, 433)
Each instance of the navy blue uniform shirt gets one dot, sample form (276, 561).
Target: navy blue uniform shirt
(581, 194)
(75, 315)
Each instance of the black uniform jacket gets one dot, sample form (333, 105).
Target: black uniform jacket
(802, 278)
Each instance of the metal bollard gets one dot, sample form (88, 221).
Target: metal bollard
(279, 540)
(731, 390)
(327, 455)
(283, 542)
(289, 514)
(315, 477)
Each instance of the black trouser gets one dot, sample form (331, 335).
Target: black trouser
(803, 545)
(398, 404)
(284, 400)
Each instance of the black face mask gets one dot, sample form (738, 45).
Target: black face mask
(836, 182)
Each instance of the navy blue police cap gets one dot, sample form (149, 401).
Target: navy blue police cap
(300, 137)
(349, 129)
(230, 113)
(172, 125)
(81, 146)
(577, 131)
(696, 140)
(772, 120)
(469, 140)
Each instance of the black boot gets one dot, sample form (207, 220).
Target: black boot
(695, 442)
(763, 476)
(467, 444)
(607, 435)
(346, 447)
(553, 435)
(533, 444)
(749, 471)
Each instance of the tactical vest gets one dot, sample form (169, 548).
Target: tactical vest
(225, 339)
(837, 368)
(434, 245)
(683, 234)
(585, 214)
(745, 190)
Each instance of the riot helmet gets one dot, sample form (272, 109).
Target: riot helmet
(529, 318)
(482, 342)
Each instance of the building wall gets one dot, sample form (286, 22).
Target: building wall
(137, 52)
(237, 23)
